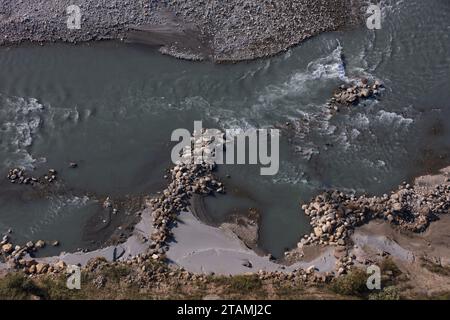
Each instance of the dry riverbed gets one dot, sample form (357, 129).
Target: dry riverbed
(196, 30)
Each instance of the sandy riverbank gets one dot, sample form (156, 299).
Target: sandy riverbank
(422, 258)
(216, 30)
(197, 248)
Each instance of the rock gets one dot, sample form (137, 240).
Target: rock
(73, 165)
(60, 265)
(318, 231)
(7, 248)
(107, 203)
(40, 244)
(351, 95)
(365, 93)
(55, 243)
(311, 269)
(32, 269)
(41, 268)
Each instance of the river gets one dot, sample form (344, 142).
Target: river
(111, 107)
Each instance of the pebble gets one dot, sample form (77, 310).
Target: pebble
(240, 31)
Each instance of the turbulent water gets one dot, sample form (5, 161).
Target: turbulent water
(112, 107)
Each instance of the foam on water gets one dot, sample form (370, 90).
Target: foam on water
(20, 119)
(393, 119)
(328, 67)
(279, 99)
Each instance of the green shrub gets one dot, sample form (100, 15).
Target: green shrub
(388, 293)
(16, 286)
(56, 289)
(352, 284)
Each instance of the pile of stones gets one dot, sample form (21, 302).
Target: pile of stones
(32, 267)
(17, 252)
(347, 95)
(18, 256)
(187, 178)
(20, 176)
(50, 176)
(334, 214)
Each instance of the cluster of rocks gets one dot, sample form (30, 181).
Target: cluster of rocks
(308, 275)
(187, 178)
(50, 176)
(18, 251)
(347, 95)
(232, 30)
(344, 261)
(20, 257)
(20, 176)
(14, 253)
(32, 267)
(334, 214)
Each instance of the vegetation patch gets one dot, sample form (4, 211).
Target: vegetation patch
(352, 284)
(388, 293)
(15, 286)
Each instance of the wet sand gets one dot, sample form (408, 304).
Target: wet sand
(134, 245)
(204, 249)
(197, 248)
